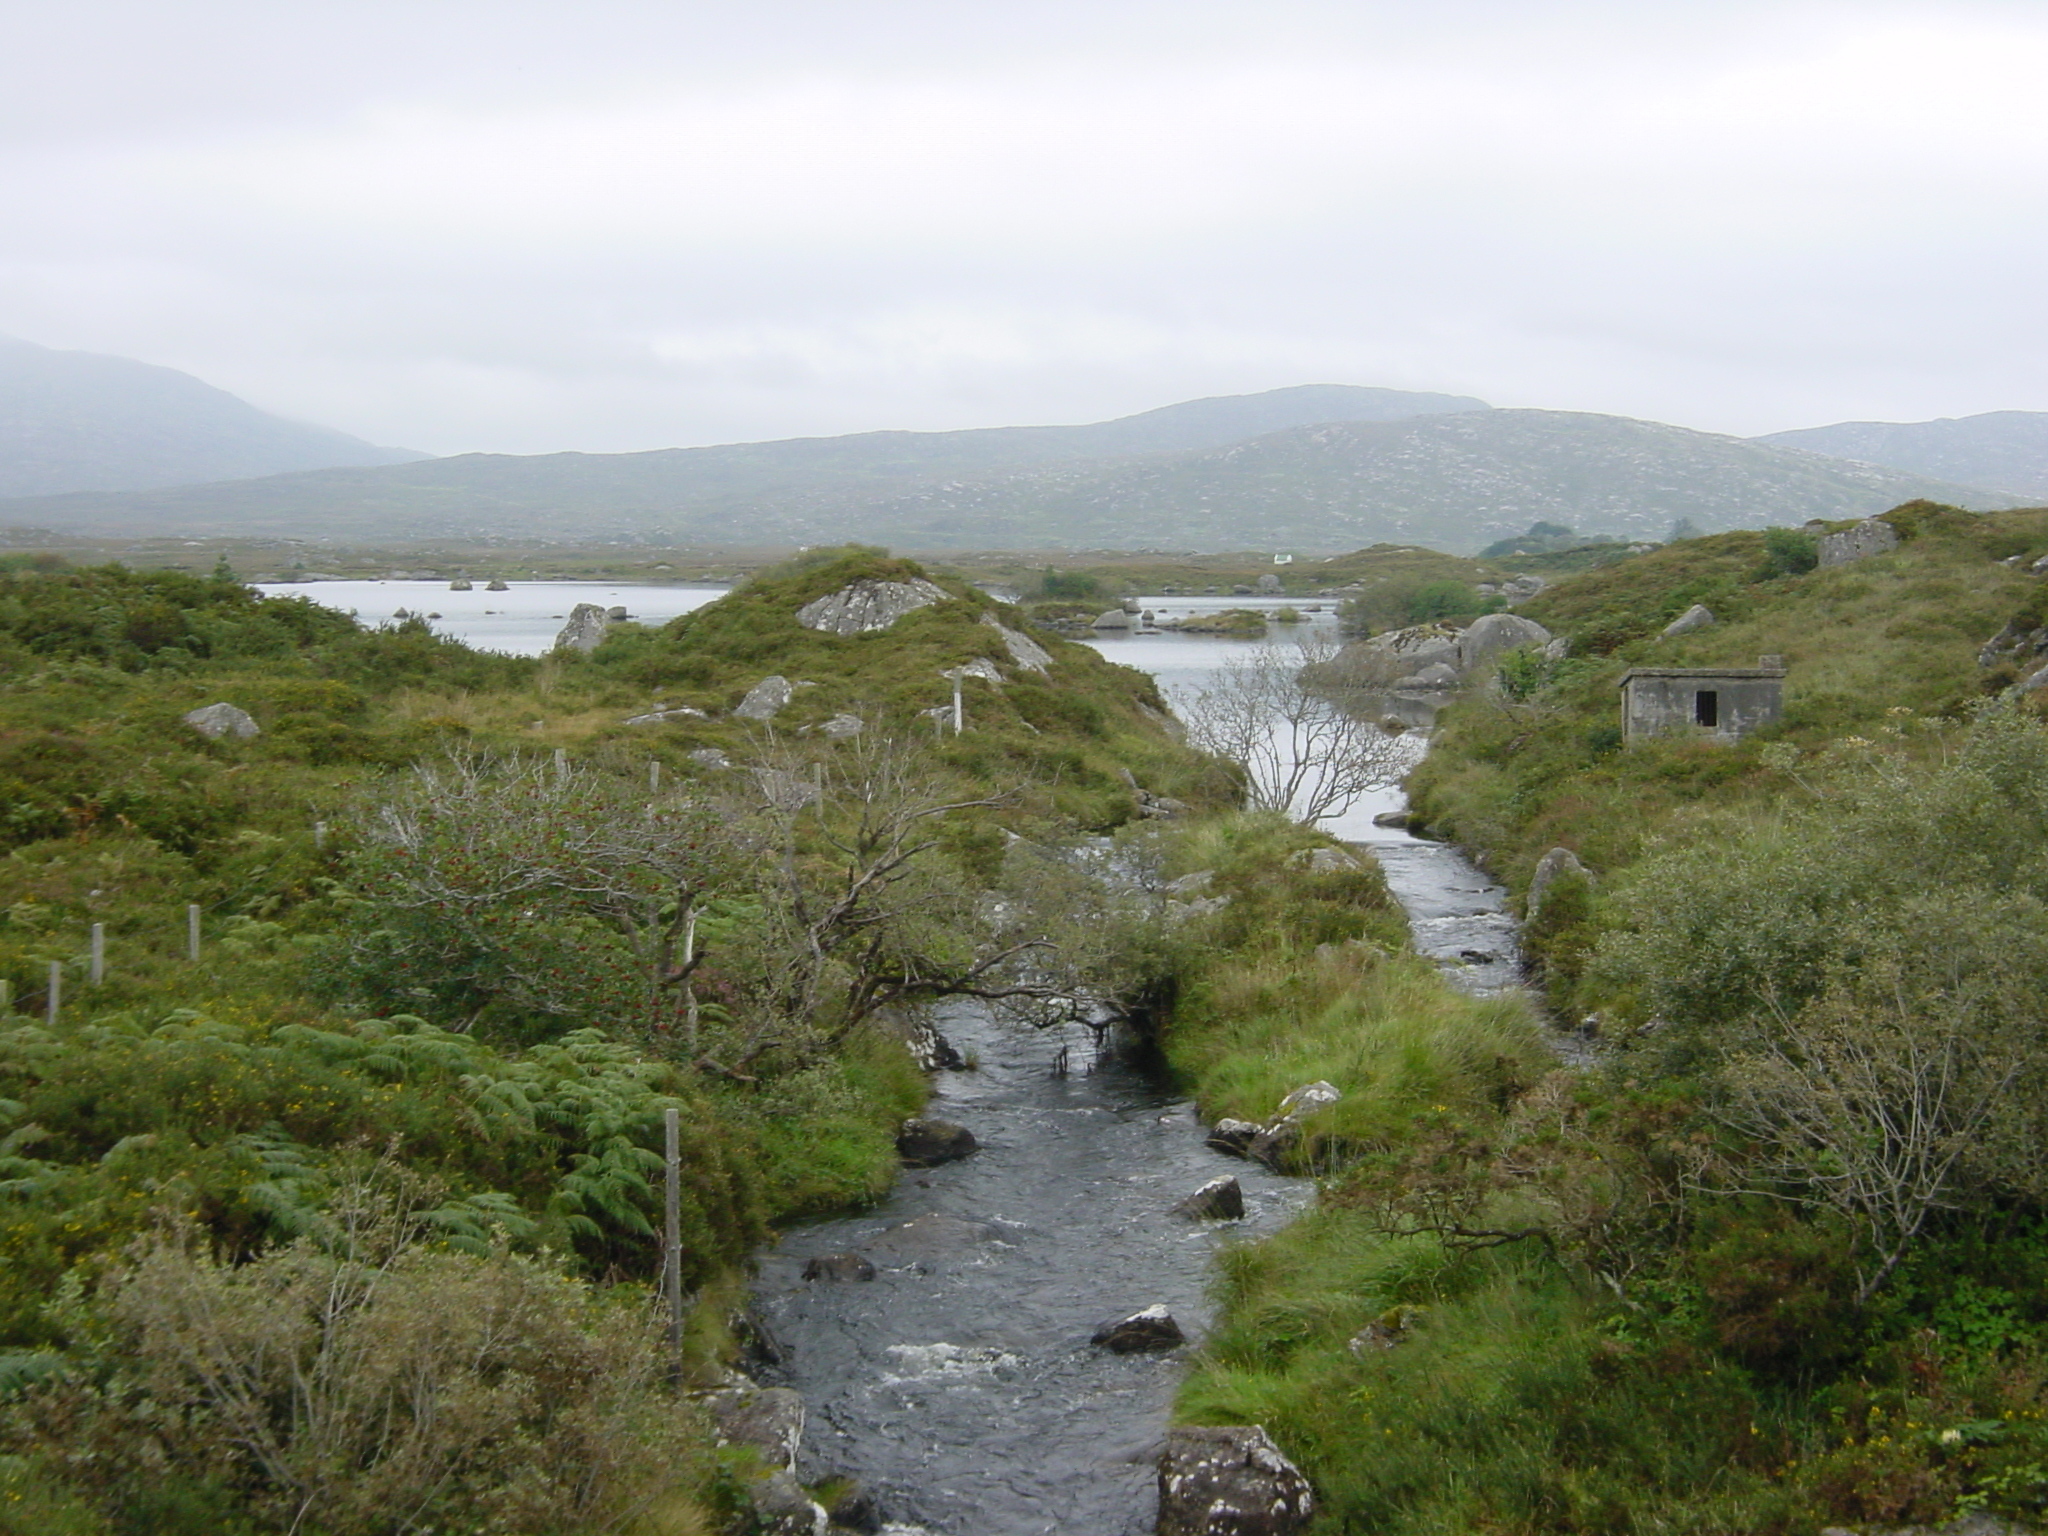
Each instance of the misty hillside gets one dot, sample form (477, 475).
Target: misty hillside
(2000, 450)
(78, 421)
(724, 487)
(1458, 481)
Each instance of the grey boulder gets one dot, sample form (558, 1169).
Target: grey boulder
(764, 701)
(769, 1420)
(1024, 651)
(218, 720)
(1552, 867)
(1872, 536)
(1233, 1136)
(1698, 616)
(1490, 634)
(1230, 1481)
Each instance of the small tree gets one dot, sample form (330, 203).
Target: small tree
(1303, 753)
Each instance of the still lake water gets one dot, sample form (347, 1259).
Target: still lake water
(959, 1385)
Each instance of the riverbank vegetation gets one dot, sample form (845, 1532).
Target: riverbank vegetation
(1774, 1261)
(347, 1223)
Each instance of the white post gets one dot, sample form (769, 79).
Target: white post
(672, 1237)
(99, 953)
(959, 717)
(192, 932)
(654, 776)
(561, 765)
(319, 840)
(689, 986)
(56, 992)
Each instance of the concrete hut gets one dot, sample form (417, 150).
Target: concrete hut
(1721, 703)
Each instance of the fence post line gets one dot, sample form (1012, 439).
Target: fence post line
(672, 1237)
(192, 932)
(56, 992)
(99, 953)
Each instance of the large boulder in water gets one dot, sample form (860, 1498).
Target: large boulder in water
(1230, 1481)
(927, 1143)
(867, 605)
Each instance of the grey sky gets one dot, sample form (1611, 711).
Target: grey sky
(528, 227)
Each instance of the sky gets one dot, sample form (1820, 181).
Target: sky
(460, 225)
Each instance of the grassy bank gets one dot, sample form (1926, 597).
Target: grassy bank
(1775, 1263)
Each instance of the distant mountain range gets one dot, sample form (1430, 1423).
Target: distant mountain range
(2000, 450)
(77, 421)
(1315, 468)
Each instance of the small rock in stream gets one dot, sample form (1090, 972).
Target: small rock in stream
(1151, 1329)
(1230, 1481)
(927, 1143)
(839, 1266)
(1218, 1200)
(1233, 1136)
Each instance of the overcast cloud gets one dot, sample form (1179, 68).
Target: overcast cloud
(529, 227)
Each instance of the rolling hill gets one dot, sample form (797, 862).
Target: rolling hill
(1205, 475)
(1999, 450)
(79, 421)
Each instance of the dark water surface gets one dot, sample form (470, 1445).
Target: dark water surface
(959, 1385)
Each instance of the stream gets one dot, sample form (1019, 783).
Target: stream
(959, 1386)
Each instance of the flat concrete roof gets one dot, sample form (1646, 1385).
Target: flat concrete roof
(1738, 674)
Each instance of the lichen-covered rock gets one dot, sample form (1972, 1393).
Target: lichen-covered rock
(1491, 633)
(1433, 678)
(460, 584)
(865, 606)
(1142, 1332)
(980, 667)
(1230, 1481)
(1384, 660)
(218, 720)
(1872, 536)
(1024, 651)
(1218, 1200)
(1275, 1143)
(709, 757)
(765, 700)
(585, 630)
(1116, 618)
(1698, 616)
(839, 727)
(1309, 1098)
(496, 584)
(927, 1143)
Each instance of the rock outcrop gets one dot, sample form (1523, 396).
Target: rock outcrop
(585, 630)
(1428, 657)
(1230, 1481)
(1024, 651)
(1142, 1332)
(1218, 1200)
(663, 712)
(1273, 1142)
(865, 606)
(1872, 536)
(218, 720)
(927, 1143)
(1116, 618)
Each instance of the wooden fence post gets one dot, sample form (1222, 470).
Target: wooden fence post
(672, 1238)
(99, 953)
(192, 932)
(56, 993)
